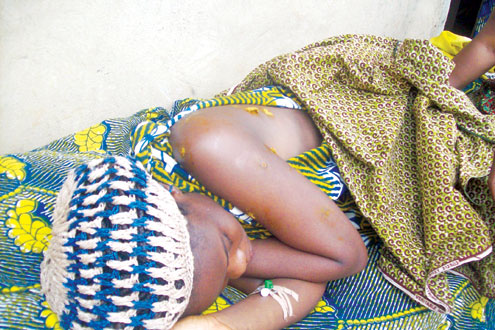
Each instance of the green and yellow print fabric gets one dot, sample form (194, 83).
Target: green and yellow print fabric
(29, 183)
(12, 168)
(31, 233)
(91, 139)
(413, 151)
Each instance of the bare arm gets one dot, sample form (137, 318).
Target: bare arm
(233, 162)
(471, 62)
(315, 242)
(476, 58)
(257, 312)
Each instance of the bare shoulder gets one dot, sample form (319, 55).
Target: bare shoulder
(286, 132)
(229, 150)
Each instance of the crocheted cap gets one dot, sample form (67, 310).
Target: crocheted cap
(120, 254)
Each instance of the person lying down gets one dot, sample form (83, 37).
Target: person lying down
(128, 251)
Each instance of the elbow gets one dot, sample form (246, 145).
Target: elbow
(361, 260)
(350, 262)
(354, 260)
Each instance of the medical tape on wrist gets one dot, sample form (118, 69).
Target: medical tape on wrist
(280, 294)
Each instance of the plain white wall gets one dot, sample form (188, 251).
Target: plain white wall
(65, 65)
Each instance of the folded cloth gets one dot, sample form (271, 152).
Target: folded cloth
(413, 151)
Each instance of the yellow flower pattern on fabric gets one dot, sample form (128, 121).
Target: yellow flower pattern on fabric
(90, 139)
(13, 168)
(218, 305)
(322, 307)
(444, 326)
(30, 231)
(478, 309)
(51, 319)
(151, 114)
(16, 288)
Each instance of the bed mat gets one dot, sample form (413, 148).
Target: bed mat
(28, 187)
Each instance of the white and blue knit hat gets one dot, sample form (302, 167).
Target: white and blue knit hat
(120, 254)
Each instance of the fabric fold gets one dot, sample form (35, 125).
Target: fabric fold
(407, 145)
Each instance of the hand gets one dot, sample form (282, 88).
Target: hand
(203, 322)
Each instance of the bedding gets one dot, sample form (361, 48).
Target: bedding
(29, 183)
(414, 151)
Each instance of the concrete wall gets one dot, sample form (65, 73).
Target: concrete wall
(65, 65)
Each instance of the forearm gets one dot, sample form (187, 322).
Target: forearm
(246, 284)
(257, 312)
(270, 260)
(476, 58)
(471, 63)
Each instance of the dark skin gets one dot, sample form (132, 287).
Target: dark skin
(472, 61)
(476, 58)
(241, 156)
(223, 247)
